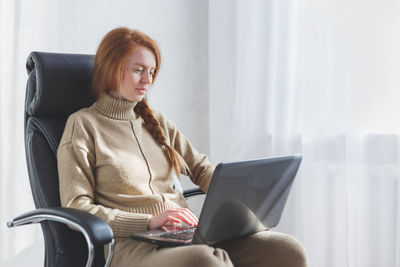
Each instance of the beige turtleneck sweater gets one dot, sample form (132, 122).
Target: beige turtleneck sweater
(111, 166)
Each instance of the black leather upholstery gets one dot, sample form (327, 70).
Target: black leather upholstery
(58, 85)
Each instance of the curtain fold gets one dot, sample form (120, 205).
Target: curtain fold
(317, 78)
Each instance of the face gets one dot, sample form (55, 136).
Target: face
(137, 75)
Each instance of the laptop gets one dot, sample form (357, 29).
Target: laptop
(243, 198)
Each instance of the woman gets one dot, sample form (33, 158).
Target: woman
(117, 159)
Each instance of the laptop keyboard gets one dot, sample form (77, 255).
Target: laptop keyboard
(185, 234)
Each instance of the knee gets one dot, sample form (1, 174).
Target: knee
(211, 257)
(288, 250)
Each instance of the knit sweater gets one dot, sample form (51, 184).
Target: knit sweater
(111, 166)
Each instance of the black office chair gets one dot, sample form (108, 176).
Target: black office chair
(58, 85)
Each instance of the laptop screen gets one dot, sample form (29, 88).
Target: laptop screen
(246, 197)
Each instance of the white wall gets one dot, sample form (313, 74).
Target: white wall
(71, 26)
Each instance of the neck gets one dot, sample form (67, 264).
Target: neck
(116, 108)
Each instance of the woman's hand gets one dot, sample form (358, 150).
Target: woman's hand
(173, 216)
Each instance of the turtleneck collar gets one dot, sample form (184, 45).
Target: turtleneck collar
(115, 108)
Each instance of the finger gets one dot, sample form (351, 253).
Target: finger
(192, 215)
(186, 219)
(172, 219)
(189, 213)
(178, 217)
(185, 210)
(184, 214)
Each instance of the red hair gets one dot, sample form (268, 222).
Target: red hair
(112, 53)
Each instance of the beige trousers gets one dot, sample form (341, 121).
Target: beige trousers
(262, 249)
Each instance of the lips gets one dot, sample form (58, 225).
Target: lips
(141, 90)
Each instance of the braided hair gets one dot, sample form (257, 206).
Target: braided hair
(153, 126)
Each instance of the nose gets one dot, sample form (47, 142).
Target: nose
(147, 78)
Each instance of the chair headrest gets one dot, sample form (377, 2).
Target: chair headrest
(58, 84)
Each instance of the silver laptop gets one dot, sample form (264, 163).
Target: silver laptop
(243, 198)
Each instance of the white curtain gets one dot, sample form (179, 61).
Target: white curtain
(318, 78)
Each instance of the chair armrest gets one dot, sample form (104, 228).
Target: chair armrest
(95, 230)
(192, 192)
(99, 231)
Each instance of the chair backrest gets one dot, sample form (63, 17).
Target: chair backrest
(58, 85)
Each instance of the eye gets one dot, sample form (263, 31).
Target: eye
(138, 70)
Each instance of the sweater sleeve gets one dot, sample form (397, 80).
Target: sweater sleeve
(196, 165)
(77, 186)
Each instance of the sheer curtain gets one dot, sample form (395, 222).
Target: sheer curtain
(318, 78)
